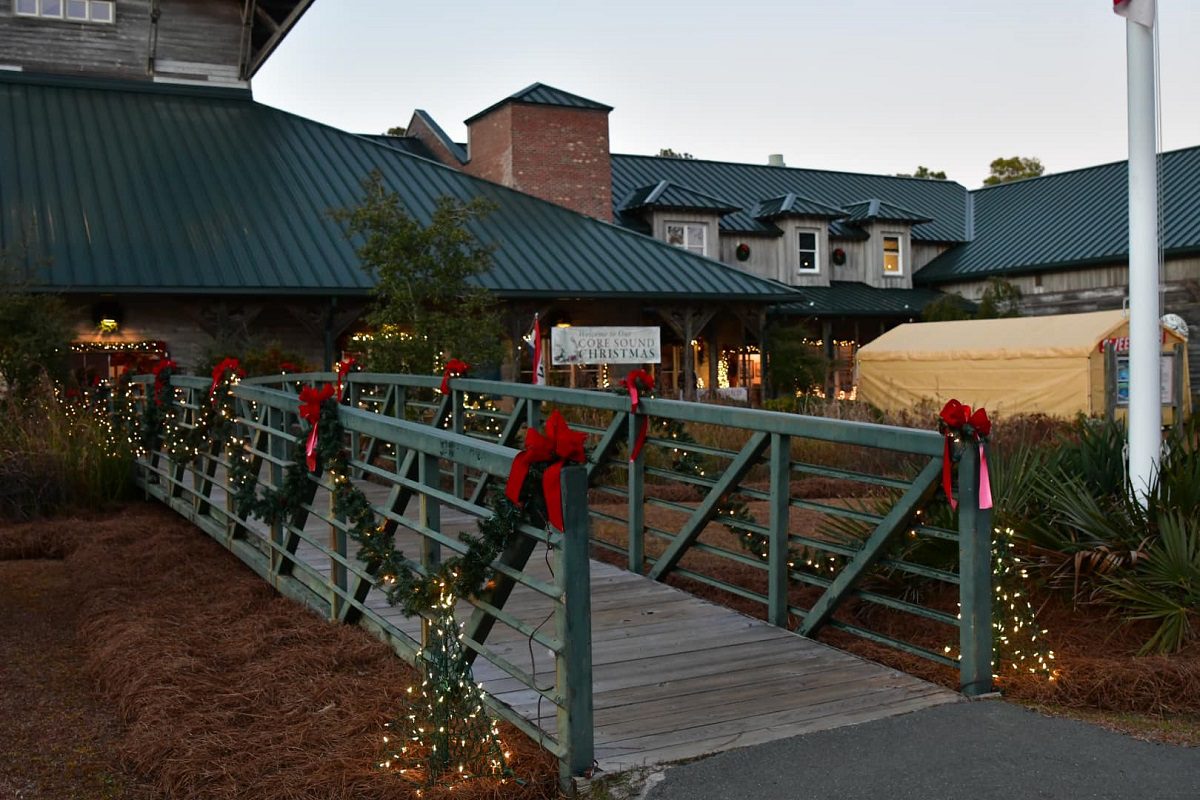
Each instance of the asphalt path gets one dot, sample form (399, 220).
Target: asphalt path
(978, 750)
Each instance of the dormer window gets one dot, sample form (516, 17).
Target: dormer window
(893, 256)
(809, 255)
(691, 236)
(69, 10)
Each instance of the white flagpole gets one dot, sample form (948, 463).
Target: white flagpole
(1145, 334)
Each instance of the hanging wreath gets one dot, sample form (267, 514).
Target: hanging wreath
(839, 256)
(742, 252)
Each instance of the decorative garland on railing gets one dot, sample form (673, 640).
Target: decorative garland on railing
(215, 416)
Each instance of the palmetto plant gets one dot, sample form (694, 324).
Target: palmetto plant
(1164, 584)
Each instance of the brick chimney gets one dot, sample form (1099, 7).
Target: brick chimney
(548, 143)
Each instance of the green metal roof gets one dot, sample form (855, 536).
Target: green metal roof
(456, 149)
(540, 94)
(1069, 219)
(124, 187)
(877, 210)
(792, 205)
(667, 195)
(943, 202)
(847, 299)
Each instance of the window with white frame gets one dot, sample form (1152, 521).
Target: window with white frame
(809, 253)
(69, 10)
(691, 236)
(893, 256)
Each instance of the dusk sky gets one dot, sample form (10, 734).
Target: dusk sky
(857, 85)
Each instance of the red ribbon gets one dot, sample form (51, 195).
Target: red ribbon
(162, 366)
(343, 370)
(454, 369)
(287, 366)
(957, 419)
(228, 365)
(558, 446)
(635, 379)
(311, 400)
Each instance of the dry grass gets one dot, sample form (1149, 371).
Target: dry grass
(226, 689)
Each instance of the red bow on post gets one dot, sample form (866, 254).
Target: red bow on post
(455, 368)
(958, 422)
(636, 382)
(343, 370)
(311, 400)
(228, 365)
(558, 446)
(164, 365)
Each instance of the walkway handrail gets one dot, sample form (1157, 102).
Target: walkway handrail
(269, 427)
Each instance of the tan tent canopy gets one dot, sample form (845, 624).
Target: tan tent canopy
(1051, 365)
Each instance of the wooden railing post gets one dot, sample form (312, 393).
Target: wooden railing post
(573, 626)
(458, 425)
(777, 552)
(637, 501)
(975, 578)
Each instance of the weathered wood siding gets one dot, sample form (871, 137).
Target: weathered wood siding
(198, 40)
(764, 254)
(873, 261)
(1073, 291)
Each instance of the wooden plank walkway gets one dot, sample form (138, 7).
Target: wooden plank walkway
(674, 677)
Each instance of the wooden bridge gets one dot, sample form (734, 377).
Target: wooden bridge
(601, 663)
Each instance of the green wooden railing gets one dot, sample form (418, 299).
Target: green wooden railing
(821, 559)
(415, 497)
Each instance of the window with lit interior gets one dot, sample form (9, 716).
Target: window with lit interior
(807, 246)
(893, 259)
(69, 10)
(691, 236)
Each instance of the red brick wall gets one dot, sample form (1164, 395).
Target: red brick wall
(558, 154)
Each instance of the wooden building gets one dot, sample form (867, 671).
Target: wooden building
(864, 252)
(171, 208)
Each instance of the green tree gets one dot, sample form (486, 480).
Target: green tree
(1005, 170)
(667, 152)
(35, 334)
(794, 366)
(427, 306)
(924, 172)
(396, 130)
(999, 299)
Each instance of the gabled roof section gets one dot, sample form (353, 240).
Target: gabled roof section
(669, 196)
(206, 191)
(457, 150)
(540, 94)
(848, 299)
(943, 202)
(1070, 219)
(876, 210)
(271, 21)
(405, 144)
(792, 205)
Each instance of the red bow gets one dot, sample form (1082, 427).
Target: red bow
(343, 370)
(558, 446)
(164, 365)
(957, 421)
(311, 400)
(228, 365)
(635, 380)
(287, 366)
(454, 369)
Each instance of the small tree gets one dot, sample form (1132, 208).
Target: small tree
(999, 299)
(396, 130)
(426, 305)
(924, 172)
(667, 152)
(794, 367)
(1005, 170)
(35, 335)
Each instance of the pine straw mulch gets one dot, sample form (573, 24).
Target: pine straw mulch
(226, 689)
(1095, 653)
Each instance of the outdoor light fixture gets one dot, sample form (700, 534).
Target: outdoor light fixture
(107, 316)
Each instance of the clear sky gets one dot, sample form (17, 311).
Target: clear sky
(858, 85)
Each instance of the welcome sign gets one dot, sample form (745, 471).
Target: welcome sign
(592, 345)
